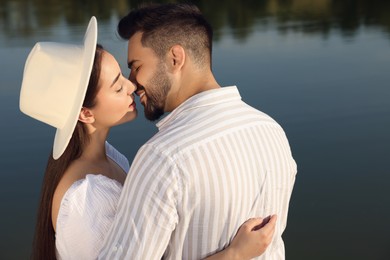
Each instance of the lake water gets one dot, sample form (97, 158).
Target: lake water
(320, 68)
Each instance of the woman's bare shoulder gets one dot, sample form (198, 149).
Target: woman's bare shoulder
(77, 170)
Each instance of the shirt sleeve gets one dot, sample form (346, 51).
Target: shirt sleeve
(147, 209)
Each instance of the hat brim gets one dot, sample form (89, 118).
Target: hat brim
(63, 135)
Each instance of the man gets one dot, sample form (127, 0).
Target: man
(214, 162)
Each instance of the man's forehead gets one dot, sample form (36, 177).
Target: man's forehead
(136, 51)
(135, 41)
(132, 52)
(135, 44)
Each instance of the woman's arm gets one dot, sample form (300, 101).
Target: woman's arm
(251, 240)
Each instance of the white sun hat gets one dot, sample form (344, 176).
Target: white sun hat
(55, 81)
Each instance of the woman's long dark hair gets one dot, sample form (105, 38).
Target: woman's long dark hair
(44, 237)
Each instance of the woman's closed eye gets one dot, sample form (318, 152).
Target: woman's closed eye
(119, 89)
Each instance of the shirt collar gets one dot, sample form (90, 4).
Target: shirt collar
(205, 98)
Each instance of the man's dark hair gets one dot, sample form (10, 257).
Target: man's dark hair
(165, 25)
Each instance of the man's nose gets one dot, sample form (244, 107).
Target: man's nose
(132, 78)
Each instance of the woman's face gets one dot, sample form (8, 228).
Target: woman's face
(115, 99)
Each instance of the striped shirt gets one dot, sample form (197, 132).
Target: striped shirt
(214, 163)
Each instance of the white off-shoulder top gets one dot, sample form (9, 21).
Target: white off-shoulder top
(87, 211)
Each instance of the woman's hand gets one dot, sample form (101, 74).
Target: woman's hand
(253, 238)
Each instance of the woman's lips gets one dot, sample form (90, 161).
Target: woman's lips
(132, 105)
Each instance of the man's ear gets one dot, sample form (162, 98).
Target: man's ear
(86, 116)
(177, 57)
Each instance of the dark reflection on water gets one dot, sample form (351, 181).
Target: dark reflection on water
(319, 67)
(23, 18)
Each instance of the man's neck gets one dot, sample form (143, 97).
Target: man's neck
(190, 87)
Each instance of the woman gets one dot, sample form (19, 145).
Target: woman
(81, 91)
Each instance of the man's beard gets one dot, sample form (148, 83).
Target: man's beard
(160, 86)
